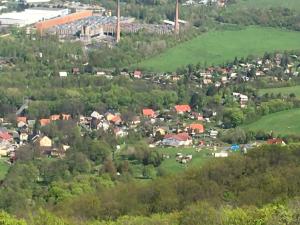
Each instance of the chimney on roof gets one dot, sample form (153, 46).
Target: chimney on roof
(118, 27)
(176, 28)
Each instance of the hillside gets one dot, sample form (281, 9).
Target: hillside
(285, 122)
(290, 4)
(221, 46)
(284, 91)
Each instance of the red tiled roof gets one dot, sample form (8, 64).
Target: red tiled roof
(183, 108)
(44, 122)
(275, 141)
(5, 136)
(66, 116)
(137, 73)
(54, 117)
(22, 118)
(116, 119)
(178, 137)
(148, 112)
(197, 127)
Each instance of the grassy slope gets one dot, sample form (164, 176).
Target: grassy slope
(285, 122)
(3, 168)
(172, 166)
(284, 91)
(291, 4)
(221, 46)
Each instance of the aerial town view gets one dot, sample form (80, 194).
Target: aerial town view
(150, 112)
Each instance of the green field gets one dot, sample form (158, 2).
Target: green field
(3, 168)
(172, 166)
(221, 46)
(285, 122)
(291, 4)
(284, 91)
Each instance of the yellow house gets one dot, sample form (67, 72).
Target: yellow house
(45, 142)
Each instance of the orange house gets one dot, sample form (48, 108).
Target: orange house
(45, 122)
(21, 118)
(196, 128)
(182, 108)
(148, 112)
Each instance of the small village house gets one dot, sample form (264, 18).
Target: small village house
(181, 109)
(175, 140)
(148, 113)
(196, 128)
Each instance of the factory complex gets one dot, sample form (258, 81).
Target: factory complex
(84, 24)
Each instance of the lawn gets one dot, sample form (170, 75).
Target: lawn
(172, 166)
(291, 4)
(284, 91)
(217, 47)
(285, 122)
(4, 166)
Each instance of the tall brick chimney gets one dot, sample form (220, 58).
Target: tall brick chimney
(118, 27)
(176, 28)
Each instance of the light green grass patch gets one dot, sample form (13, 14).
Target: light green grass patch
(290, 4)
(285, 123)
(172, 166)
(4, 166)
(222, 46)
(285, 91)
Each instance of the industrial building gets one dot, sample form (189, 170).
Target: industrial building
(44, 25)
(30, 16)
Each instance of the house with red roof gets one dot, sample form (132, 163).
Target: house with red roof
(196, 128)
(276, 141)
(116, 120)
(148, 113)
(137, 74)
(180, 109)
(66, 116)
(44, 122)
(22, 119)
(175, 140)
(5, 137)
(55, 117)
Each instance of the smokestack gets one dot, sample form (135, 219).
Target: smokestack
(118, 28)
(176, 28)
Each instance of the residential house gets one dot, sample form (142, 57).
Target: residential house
(119, 132)
(148, 113)
(197, 116)
(276, 141)
(181, 109)
(66, 116)
(22, 119)
(181, 139)
(196, 128)
(55, 117)
(221, 154)
(45, 142)
(23, 137)
(116, 120)
(45, 122)
(137, 74)
(63, 74)
(5, 137)
(96, 115)
(243, 99)
(75, 70)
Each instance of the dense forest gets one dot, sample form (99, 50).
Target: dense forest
(258, 188)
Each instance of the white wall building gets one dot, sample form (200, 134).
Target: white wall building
(30, 16)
